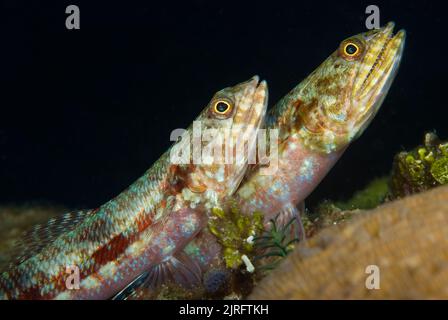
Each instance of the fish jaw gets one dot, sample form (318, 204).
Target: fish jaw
(244, 137)
(379, 80)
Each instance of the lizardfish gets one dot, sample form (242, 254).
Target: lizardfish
(148, 223)
(316, 122)
(320, 117)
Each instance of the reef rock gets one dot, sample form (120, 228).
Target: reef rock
(406, 242)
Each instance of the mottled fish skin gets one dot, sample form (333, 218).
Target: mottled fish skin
(320, 117)
(317, 121)
(144, 225)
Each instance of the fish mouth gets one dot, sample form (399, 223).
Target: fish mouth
(250, 118)
(378, 69)
(259, 101)
(255, 105)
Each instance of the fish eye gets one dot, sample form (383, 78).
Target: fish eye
(222, 107)
(351, 49)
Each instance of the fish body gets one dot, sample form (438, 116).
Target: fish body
(148, 223)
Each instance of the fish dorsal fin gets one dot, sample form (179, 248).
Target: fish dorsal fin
(39, 236)
(180, 269)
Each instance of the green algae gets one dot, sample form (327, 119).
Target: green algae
(439, 170)
(233, 231)
(370, 197)
(420, 169)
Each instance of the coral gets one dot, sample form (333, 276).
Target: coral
(421, 168)
(406, 239)
(233, 229)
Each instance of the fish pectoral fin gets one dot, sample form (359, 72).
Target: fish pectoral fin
(166, 243)
(179, 269)
(290, 216)
(132, 288)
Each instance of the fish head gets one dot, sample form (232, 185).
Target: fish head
(222, 140)
(338, 100)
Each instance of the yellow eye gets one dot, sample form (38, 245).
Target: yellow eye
(222, 107)
(351, 49)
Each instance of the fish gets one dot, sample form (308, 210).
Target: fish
(315, 123)
(150, 222)
(320, 118)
